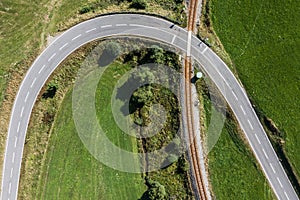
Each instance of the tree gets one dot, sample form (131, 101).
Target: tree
(157, 54)
(156, 191)
(138, 4)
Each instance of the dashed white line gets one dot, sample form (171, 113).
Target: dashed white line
(272, 168)
(138, 25)
(9, 188)
(279, 182)
(234, 95)
(106, 26)
(257, 139)
(286, 195)
(243, 109)
(18, 127)
(51, 57)
(63, 46)
(93, 29)
(74, 38)
(173, 39)
(16, 141)
(11, 172)
(26, 97)
(224, 80)
(22, 111)
(250, 124)
(222, 77)
(121, 24)
(13, 157)
(189, 43)
(204, 50)
(42, 69)
(265, 154)
(33, 82)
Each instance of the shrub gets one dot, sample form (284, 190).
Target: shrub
(138, 4)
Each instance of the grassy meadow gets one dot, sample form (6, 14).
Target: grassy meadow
(262, 39)
(70, 172)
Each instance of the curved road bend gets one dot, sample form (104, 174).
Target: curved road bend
(149, 27)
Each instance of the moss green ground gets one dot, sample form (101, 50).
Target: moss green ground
(262, 39)
(70, 172)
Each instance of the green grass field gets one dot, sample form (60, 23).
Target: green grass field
(262, 39)
(233, 170)
(70, 172)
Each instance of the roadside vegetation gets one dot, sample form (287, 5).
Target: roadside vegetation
(262, 40)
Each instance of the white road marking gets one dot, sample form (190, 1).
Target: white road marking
(16, 141)
(243, 109)
(106, 26)
(76, 37)
(286, 195)
(204, 50)
(51, 57)
(11, 172)
(138, 25)
(93, 29)
(42, 69)
(272, 168)
(250, 124)
(13, 157)
(9, 188)
(63, 46)
(224, 79)
(18, 127)
(22, 111)
(257, 139)
(265, 154)
(234, 95)
(26, 97)
(33, 82)
(188, 48)
(121, 24)
(279, 182)
(173, 39)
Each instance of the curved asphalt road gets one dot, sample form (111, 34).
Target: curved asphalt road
(144, 26)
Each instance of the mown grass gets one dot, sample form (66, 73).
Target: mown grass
(70, 172)
(233, 170)
(262, 39)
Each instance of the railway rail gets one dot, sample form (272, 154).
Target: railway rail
(195, 162)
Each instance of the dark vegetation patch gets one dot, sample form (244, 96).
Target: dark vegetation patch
(140, 106)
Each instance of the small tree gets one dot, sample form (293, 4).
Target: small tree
(138, 4)
(156, 191)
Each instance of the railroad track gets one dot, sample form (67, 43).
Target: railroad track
(200, 186)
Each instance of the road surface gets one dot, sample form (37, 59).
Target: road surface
(141, 26)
